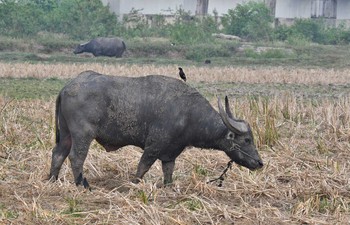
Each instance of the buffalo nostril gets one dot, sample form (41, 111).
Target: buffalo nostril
(260, 163)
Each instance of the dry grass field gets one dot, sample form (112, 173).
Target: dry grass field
(304, 142)
(194, 74)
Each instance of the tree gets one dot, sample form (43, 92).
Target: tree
(251, 21)
(80, 19)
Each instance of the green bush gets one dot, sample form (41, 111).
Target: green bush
(190, 30)
(304, 31)
(251, 21)
(79, 19)
(282, 33)
(297, 39)
(338, 35)
(86, 19)
(309, 28)
(82, 19)
(20, 18)
(136, 25)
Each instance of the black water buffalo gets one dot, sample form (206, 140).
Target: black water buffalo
(159, 114)
(112, 47)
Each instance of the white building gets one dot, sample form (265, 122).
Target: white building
(150, 7)
(168, 7)
(281, 9)
(332, 9)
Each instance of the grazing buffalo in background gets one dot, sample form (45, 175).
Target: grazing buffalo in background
(103, 47)
(159, 114)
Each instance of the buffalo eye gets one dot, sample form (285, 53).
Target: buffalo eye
(247, 140)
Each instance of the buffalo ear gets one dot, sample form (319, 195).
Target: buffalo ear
(233, 125)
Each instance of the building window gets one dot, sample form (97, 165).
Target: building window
(324, 8)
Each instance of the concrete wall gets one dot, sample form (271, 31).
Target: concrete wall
(293, 9)
(162, 7)
(343, 9)
(284, 9)
(222, 6)
(168, 7)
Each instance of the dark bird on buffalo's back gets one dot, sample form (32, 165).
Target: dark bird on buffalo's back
(182, 74)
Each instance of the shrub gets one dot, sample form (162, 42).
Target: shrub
(79, 19)
(20, 18)
(190, 30)
(82, 19)
(298, 40)
(282, 32)
(135, 24)
(304, 31)
(311, 29)
(338, 35)
(251, 21)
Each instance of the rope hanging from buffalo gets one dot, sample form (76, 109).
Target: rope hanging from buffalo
(221, 178)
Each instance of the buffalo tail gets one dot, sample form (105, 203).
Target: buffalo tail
(58, 103)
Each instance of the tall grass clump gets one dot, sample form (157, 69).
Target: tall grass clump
(265, 123)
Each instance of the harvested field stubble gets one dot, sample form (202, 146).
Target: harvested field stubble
(195, 74)
(304, 144)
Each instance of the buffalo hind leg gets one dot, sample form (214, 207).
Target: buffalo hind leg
(59, 154)
(77, 156)
(168, 169)
(145, 163)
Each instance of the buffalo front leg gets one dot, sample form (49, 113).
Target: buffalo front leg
(77, 158)
(145, 163)
(168, 169)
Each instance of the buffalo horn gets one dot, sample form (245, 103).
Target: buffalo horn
(227, 107)
(232, 124)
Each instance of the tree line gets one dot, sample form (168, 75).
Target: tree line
(85, 19)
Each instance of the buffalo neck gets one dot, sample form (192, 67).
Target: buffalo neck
(210, 130)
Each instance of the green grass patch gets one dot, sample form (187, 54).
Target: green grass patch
(7, 213)
(34, 88)
(73, 207)
(162, 52)
(30, 88)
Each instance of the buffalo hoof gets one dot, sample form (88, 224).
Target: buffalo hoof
(52, 178)
(83, 181)
(136, 180)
